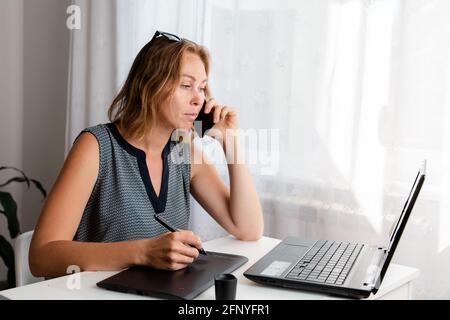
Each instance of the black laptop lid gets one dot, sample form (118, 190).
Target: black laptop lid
(402, 220)
(186, 283)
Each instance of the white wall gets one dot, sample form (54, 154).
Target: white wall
(33, 91)
(11, 91)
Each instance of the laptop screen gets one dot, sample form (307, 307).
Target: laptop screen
(401, 222)
(394, 231)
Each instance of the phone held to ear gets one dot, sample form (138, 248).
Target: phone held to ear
(204, 121)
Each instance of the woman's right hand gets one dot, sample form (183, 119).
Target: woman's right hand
(170, 251)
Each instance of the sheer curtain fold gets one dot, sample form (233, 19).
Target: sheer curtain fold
(92, 67)
(346, 98)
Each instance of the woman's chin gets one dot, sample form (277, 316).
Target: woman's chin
(184, 127)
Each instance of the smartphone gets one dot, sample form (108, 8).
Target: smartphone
(204, 121)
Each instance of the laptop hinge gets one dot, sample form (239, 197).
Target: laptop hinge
(372, 279)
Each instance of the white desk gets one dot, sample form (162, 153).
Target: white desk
(396, 283)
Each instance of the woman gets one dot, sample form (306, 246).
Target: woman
(99, 215)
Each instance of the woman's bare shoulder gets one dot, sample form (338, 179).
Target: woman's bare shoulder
(85, 149)
(83, 159)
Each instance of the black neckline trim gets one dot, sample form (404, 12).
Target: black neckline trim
(158, 203)
(124, 143)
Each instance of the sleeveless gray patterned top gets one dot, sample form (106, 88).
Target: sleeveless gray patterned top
(123, 201)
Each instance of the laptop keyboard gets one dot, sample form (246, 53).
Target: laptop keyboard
(326, 262)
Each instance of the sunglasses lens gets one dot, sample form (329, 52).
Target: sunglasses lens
(171, 37)
(165, 35)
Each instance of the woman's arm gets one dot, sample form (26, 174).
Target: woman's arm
(53, 250)
(237, 209)
(245, 207)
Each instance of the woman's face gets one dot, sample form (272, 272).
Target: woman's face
(185, 104)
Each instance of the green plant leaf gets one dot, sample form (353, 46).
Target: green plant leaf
(10, 211)
(12, 168)
(15, 179)
(24, 178)
(39, 186)
(18, 170)
(7, 254)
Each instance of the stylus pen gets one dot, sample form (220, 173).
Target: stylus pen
(172, 229)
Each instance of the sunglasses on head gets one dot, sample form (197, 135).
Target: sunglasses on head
(165, 35)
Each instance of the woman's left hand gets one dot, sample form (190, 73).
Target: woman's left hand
(224, 117)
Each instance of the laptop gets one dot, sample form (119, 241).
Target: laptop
(332, 267)
(185, 284)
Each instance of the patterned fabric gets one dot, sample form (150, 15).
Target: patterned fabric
(123, 201)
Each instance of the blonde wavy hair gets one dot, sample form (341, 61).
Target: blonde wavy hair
(153, 78)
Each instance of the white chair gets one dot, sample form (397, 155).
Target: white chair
(203, 225)
(21, 248)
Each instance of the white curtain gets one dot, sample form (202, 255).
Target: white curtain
(345, 99)
(93, 73)
(359, 93)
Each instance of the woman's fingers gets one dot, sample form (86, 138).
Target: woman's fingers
(186, 243)
(178, 258)
(188, 237)
(175, 266)
(217, 111)
(181, 253)
(225, 110)
(210, 104)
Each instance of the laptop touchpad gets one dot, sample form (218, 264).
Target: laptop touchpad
(293, 251)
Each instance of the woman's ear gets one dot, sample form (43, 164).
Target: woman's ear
(207, 92)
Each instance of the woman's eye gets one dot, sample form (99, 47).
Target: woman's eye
(186, 86)
(203, 89)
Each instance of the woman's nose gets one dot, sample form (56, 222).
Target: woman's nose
(198, 97)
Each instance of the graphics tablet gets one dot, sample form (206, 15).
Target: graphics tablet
(185, 284)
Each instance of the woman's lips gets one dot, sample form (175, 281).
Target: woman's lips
(191, 116)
